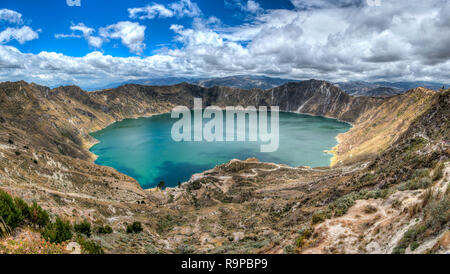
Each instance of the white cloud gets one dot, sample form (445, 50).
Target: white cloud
(325, 4)
(185, 8)
(10, 16)
(95, 41)
(22, 35)
(150, 12)
(182, 8)
(86, 33)
(83, 28)
(131, 34)
(251, 6)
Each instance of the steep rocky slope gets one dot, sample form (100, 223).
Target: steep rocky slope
(380, 126)
(241, 206)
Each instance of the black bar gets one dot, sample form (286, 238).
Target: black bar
(142, 264)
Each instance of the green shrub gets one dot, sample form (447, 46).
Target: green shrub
(105, 229)
(437, 213)
(9, 212)
(24, 208)
(438, 173)
(38, 216)
(341, 205)
(420, 173)
(184, 249)
(416, 183)
(399, 250)
(419, 180)
(196, 185)
(57, 232)
(165, 224)
(89, 247)
(375, 194)
(436, 216)
(289, 249)
(305, 233)
(136, 227)
(14, 212)
(83, 228)
(320, 216)
(414, 246)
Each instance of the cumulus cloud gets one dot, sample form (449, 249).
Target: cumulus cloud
(21, 35)
(340, 40)
(398, 40)
(83, 28)
(182, 8)
(250, 6)
(150, 12)
(80, 30)
(131, 34)
(185, 8)
(10, 16)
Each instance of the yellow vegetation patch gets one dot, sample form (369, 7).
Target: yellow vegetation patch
(379, 127)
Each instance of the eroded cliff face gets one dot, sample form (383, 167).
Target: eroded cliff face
(242, 206)
(381, 125)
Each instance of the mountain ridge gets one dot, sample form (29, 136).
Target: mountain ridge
(355, 88)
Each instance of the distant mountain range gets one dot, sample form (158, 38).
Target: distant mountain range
(239, 81)
(245, 82)
(384, 89)
(355, 88)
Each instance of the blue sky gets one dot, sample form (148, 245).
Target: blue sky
(56, 17)
(97, 42)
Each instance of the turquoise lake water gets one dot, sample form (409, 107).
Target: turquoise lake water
(143, 148)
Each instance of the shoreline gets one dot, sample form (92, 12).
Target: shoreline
(94, 157)
(88, 145)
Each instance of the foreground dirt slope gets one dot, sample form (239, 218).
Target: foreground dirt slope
(242, 206)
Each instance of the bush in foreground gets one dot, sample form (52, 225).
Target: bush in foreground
(83, 228)
(89, 247)
(38, 216)
(10, 214)
(57, 232)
